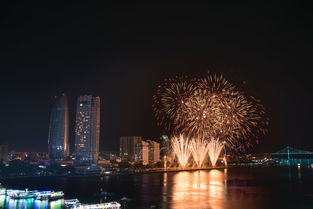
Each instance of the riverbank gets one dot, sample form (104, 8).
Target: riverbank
(123, 172)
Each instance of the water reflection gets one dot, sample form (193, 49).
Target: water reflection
(2, 201)
(38, 204)
(199, 188)
(16, 204)
(165, 189)
(57, 204)
(299, 175)
(6, 202)
(216, 184)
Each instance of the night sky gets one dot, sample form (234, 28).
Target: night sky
(121, 53)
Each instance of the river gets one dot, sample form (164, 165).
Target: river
(232, 188)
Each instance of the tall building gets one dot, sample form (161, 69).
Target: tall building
(154, 151)
(58, 145)
(128, 147)
(142, 152)
(87, 130)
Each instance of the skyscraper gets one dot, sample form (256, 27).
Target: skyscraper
(87, 130)
(154, 151)
(128, 147)
(58, 146)
(142, 152)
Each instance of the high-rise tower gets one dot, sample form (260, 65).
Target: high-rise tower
(58, 146)
(154, 151)
(87, 130)
(128, 147)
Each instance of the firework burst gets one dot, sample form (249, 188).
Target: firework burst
(209, 111)
(171, 101)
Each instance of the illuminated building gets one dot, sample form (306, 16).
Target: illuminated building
(142, 152)
(154, 151)
(87, 130)
(58, 146)
(128, 147)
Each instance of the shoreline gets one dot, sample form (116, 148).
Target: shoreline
(134, 172)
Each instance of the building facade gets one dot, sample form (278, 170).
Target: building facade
(154, 151)
(142, 152)
(87, 129)
(128, 147)
(58, 145)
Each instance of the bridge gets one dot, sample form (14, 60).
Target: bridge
(292, 151)
(290, 156)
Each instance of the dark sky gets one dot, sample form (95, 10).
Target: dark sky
(121, 52)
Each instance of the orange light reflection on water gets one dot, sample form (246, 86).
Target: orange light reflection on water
(199, 188)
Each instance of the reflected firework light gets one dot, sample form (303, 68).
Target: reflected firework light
(214, 149)
(181, 148)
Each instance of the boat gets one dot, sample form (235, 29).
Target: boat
(43, 195)
(71, 202)
(108, 205)
(22, 194)
(49, 195)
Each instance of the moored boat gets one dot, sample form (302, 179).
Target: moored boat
(49, 195)
(71, 203)
(22, 194)
(43, 195)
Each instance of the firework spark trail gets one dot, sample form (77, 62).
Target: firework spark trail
(199, 150)
(169, 102)
(209, 108)
(181, 148)
(214, 149)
